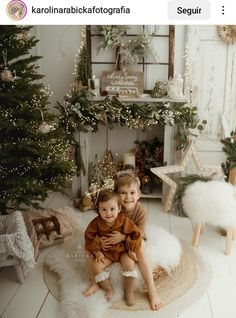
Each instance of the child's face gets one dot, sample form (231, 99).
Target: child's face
(129, 195)
(109, 210)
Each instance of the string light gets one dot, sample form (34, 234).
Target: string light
(162, 172)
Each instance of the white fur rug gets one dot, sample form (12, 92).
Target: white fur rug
(68, 262)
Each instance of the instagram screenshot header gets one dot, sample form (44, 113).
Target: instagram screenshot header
(117, 12)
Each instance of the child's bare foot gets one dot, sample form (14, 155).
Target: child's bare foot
(129, 298)
(91, 290)
(155, 300)
(109, 294)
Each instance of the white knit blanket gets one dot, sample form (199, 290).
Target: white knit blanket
(15, 241)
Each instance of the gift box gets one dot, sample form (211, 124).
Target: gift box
(47, 230)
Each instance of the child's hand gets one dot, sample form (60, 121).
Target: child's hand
(100, 257)
(105, 243)
(116, 237)
(133, 256)
(112, 238)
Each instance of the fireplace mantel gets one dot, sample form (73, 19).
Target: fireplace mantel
(80, 183)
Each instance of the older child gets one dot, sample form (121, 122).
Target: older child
(125, 251)
(128, 187)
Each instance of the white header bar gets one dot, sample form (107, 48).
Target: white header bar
(79, 12)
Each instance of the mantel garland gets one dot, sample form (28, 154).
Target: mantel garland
(78, 113)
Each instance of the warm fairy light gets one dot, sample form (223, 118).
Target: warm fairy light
(162, 172)
(82, 43)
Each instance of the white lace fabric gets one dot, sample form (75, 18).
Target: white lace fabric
(130, 273)
(102, 276)
(15, 241)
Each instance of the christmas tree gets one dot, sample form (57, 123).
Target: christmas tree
(84, 67)
(34, 151)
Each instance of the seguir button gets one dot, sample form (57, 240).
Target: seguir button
(189, 9)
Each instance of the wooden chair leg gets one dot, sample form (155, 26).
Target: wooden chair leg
(202, 228)
(229, 237)
(19, 273)
(196, 233)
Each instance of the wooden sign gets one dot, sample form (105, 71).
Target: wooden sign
(122, 83)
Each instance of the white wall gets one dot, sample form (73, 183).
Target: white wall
(180, 34)
(58, 46)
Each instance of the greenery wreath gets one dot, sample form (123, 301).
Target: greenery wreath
(130, 51)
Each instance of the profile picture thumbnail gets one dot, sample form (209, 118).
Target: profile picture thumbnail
(16, 9)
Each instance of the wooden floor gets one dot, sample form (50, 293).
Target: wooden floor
(32, 299)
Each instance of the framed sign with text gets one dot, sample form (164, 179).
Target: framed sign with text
(122, 83)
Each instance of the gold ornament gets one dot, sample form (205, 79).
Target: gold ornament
(77, 86)
(227, 33)
(6, 75)
(162, 172)
(49, 225)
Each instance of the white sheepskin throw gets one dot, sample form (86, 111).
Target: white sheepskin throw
(162, 249)
(212, 202)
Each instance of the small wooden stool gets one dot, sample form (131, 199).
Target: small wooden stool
(230, 236)
(212, 203)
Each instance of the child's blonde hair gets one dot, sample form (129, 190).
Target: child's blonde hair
(126, 179)
(106, 195)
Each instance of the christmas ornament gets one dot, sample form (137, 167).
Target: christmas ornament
(45, 128)
(23, 36)
(49, 225)
(162, 172)
(53, 234)
(159, 89)
(227, 33)
(77, 86)
(6, 74)
(38, 227)
(42, 237)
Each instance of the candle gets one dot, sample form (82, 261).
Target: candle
(96, 82)
(129, 160)
(95, 85)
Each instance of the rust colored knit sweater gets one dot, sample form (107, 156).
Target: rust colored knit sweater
(98, 227)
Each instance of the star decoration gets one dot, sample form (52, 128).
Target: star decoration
(162, 172)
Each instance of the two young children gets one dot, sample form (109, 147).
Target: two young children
(116, 235)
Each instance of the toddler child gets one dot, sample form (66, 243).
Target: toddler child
(110, 219)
